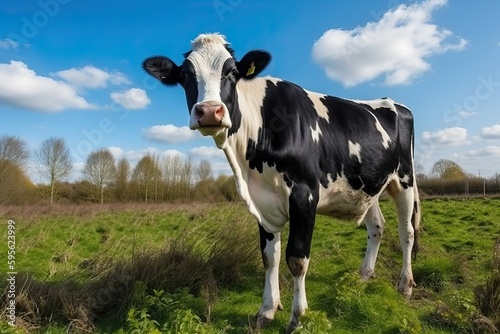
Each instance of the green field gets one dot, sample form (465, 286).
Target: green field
(196, 268)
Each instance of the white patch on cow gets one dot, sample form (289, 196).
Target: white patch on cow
(376, 104)
(405, 179)
(355, 150)
(320, 107)
(379, 103)
(265, 194)
(271, 297)
(208, 56)
(299, 302)
(316, 132)
(251, 95)
(311, 198)
(341, 201)
(386, 140)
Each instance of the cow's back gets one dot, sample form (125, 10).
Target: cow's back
(352, 149)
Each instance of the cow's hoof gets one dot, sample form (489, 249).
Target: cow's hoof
(293, 325)
(406, 288)
(366, 274)
(261, 321)
(280, 306)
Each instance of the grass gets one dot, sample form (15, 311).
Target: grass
(204, 263)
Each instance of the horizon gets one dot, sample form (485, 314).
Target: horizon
(73, 70)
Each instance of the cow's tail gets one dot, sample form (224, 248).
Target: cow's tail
(415, 220)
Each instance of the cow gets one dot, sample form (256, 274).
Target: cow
(295, 153)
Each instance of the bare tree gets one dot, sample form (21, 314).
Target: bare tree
(146, 174)
(100, 170)
(447, 169)
(204, 170)
(172, 171)
(13, 152)
(55, 161)
(122, 178)
(420, 171)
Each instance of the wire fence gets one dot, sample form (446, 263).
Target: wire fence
(467, 186)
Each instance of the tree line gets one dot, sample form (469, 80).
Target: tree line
(154, 179)
(158, 178)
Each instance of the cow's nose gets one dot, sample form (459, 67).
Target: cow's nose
(209, 114)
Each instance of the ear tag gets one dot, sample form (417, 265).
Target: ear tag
(251, 69)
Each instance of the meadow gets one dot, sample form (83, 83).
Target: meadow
(196, 268)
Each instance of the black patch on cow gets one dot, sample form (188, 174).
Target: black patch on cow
(285, 140)
(405, 144)
(229, 94)
(189, 83)
(302, 212)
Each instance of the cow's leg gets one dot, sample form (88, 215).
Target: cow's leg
(374, 221)
(302, 215)
(404, 199)
(270, 245)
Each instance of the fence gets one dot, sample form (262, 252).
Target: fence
(468, 186)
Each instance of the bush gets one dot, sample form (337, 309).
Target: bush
(487, 296)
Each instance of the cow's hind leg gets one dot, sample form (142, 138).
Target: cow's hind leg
(374, 221)
(302, 216)
(270, 245)
(404, 200)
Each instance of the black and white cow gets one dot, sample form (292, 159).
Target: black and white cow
(295, 154)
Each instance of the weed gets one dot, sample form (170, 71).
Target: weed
(487, 296)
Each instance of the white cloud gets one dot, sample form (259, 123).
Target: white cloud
(117, 152)
(207, 152)
(446, 137)
(467, 114)
(396, 47)
(21, 87)
(170, 133)
(133, 156)
(8, 43)
(483, 152)
(134, 98)
(491, 132)
(91, 77)
(212, 154)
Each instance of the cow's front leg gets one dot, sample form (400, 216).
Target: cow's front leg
(302, 216)
(270, 245)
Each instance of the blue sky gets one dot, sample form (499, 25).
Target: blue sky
(72, 69)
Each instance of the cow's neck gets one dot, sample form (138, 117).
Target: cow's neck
(250, 100)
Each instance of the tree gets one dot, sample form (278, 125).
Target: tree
(122, 179)
(13, 154)
(172, 171)
(100, 170)
(420, 171)
(55, 161)
(204, 170)
(447, 169)
(146, 174)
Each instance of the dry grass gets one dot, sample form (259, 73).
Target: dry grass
(33, 212)
(112, 282)
(488, 295)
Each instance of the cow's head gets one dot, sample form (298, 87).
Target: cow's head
(209, 75)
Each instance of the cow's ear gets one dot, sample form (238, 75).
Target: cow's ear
(253, 63)
(163, 69)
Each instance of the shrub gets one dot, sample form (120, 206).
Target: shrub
(487, 296)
